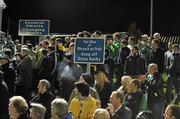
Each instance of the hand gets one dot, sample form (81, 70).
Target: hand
(142, 78)
(110, 108)
(98, 103)
(17, 58)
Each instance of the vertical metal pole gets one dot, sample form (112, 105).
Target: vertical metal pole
(8, 25)
(22, 40)
(1, 14)
(151, 19)
(88, 68)
(2, 6)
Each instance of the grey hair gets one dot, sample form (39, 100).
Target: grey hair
(45, 83)
(39, 110)
(101, 113)
(60, 107)
(25, 50)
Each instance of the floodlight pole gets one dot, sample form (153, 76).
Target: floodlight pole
(2, 6)
(151, 19)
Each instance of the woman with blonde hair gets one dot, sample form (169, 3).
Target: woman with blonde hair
(103, 87)
(125, 82)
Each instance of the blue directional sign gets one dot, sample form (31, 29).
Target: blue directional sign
(89, 50)
(33, 27)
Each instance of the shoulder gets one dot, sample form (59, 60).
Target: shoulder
(93, 90)
(124, 110)
(128, 110)
(74, 101)
(91, 100)
(49, 96)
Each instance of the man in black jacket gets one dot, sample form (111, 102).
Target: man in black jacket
(24, 80)
(116, 107)
(4, 98)
(133, 97)
(123, 53)
(45, 97)
(174, 76)
(157, 55)
(48, 67)
(153, 86)
(135, 64)
(9, 75)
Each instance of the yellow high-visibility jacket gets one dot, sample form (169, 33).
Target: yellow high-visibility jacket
(83, 109)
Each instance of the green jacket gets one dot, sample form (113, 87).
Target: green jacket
(113, 49)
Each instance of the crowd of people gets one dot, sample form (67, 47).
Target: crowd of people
(42, 81)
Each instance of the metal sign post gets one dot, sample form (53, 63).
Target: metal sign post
(151, 19)
(22, 40)
(88, 70)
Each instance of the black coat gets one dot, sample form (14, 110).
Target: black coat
(174, 69)
(104, 93)
(4, 100)
(132, 101)
(153, 85)
(157, 57)
(24, 116)
(48, 67)
(135, 65)
(123, 113)
(122, 55)
(45, 99)
(25, 72)
(9, 76)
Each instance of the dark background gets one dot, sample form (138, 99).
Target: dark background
(71, 16)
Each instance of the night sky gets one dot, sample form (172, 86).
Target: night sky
(71, 16)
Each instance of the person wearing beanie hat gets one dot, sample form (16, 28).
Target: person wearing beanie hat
(83, 106)
(8, 53)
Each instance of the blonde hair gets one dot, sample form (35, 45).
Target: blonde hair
(125, 80)
(100, 79)
(153, 66)
(20, 104)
